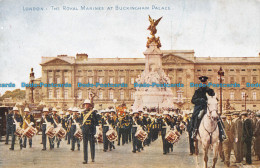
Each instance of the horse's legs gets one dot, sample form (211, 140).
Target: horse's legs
(196, 151)
(215, 151)
(206, 148)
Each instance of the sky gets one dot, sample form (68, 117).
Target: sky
(216, 28)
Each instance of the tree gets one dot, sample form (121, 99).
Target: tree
(16, 94)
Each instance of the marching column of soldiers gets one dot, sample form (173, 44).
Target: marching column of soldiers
(242, 130)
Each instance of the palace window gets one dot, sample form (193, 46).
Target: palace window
(231, 69)
(50, 80)
(198, 70)
(254, 79)
(111, 80)
(254, 69)
(132, 95)
(179, 79)
(232, 95)
(90, 80)
(111, 94)
(50, 94)
(57, 94)
(100, 94)
(243, 95)
(79, 79)
(58, 80)
(122, 80)
(66, 94)
(209, 69)
(122, 94)
(232, 80)
(254, 95)
(132, 81)
(100, 80)
(243, 70)
(243, 79)
(66, 79)
(79, 94)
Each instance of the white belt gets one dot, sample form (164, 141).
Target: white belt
(164, 127)
(73, 124)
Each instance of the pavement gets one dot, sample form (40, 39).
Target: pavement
(121, 157)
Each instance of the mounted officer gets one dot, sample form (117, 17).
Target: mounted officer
(199, 99)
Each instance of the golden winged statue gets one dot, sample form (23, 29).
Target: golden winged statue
(152, 28)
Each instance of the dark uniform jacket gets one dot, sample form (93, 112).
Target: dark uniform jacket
(90, 123)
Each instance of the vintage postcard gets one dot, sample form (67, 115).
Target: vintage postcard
(130, 84)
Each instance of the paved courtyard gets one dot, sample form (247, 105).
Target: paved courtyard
(122, 156)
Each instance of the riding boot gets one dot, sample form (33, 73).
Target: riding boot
(222, 135)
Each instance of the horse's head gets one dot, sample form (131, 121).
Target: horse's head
(212, 110)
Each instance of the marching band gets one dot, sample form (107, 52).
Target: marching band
(107, 126)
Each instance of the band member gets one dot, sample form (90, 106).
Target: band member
(69, 124)
(27, 121)
(166, 125)
(127, 127)
(89, 130)
(106, 120)
(147, 122)
(56, 121)
(9, 125)
(46, 119)
(76, 122)
(17, 122)
(121, 130)
(199, 99)
(63, 120)
(136, 122)
(238, 147)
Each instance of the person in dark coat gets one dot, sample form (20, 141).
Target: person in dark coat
(247, 136)
(9, 125)
(257, 136)
(199, 99)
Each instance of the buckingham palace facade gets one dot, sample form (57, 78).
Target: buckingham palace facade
(180, 65)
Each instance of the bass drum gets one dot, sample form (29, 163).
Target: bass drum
(50, 132)
(60, 132)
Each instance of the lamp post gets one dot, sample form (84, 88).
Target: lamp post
(221, 74)
(245, 96)
(31, 81)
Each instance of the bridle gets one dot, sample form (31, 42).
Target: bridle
(211, 118)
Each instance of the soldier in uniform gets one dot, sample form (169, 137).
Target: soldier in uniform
(17, 121)
(69, 117)
(46, 119)
(136, 121)
(152, 126)
(238, 125)
(147, 122)
(247, 136)
(228, 142)
(56, 121)
(9, 125)
(127, 128)
(191, 141)
(75, 124)
(89, 124)
(27, 121)
(166, 125)
(121, 130)
(106, 120)
(199, 99)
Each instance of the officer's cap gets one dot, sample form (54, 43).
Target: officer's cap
(15, 108)
(26, 109)
(87, 101)
(203, 78)
(45, 109)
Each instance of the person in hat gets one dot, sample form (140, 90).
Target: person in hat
(56, 122)
(121, 130)
(153, 126)
(238, 147)
(46, 119)
(147, 122)
(106, 123)
(28, 121)
(75, 124)
(257, 136)
(9, 125)
(199, 99)
(68, 121)
(166, 126)
(228, 143)
(247, 136)
(128, 126)
(89, 123)
(17, 122)
(136, 122)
